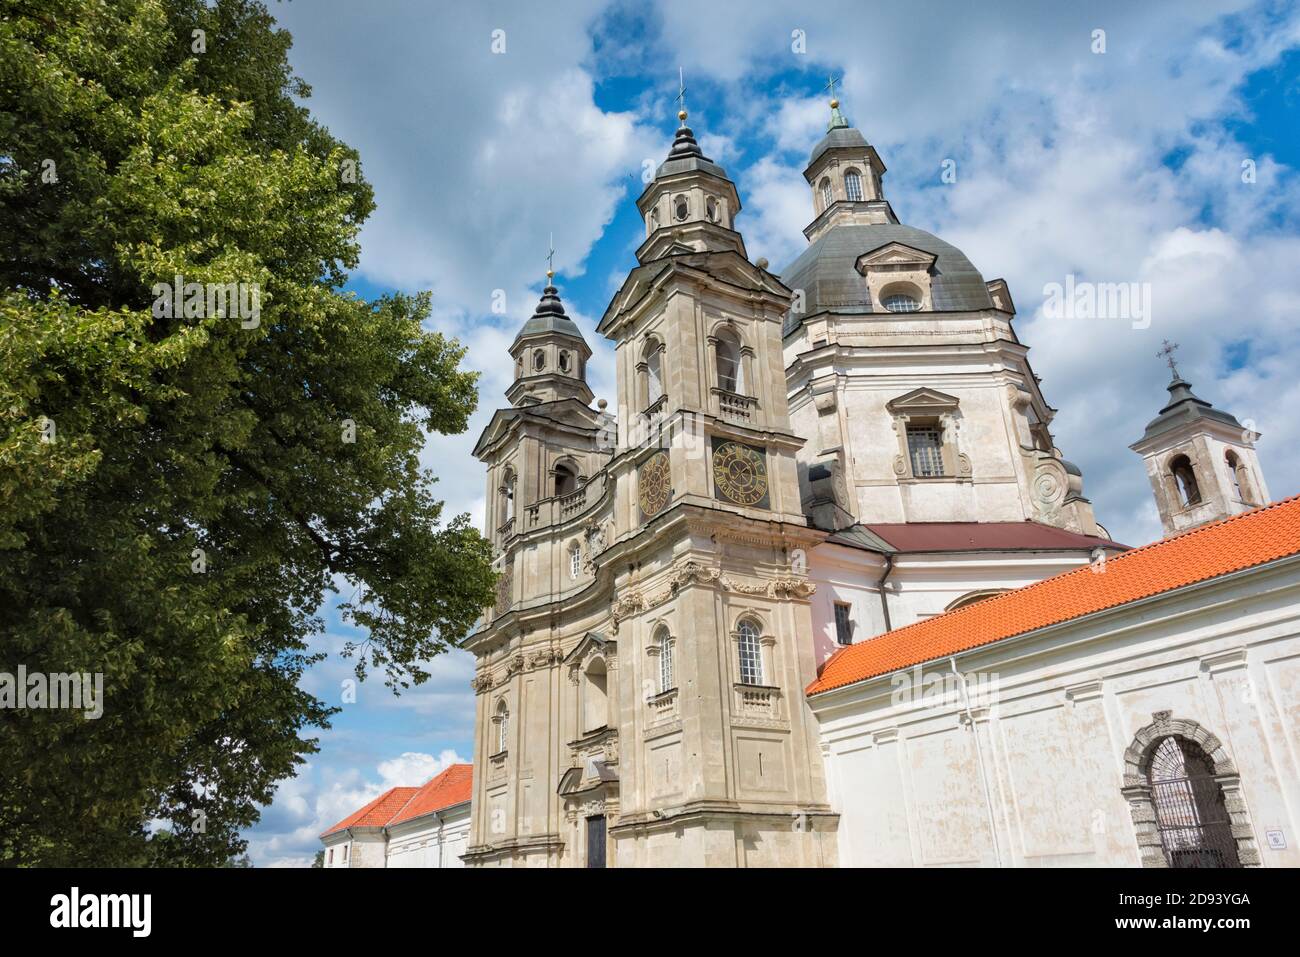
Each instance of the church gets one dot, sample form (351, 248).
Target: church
(821, 590)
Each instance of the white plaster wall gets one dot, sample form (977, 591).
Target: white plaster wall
(431, 840)
(1058, 712)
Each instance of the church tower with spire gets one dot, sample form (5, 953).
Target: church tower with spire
(1200, 460)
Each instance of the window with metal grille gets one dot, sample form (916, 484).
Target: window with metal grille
(843, 623)
(667, 680)
(751, 654)
(826, 193)
(853, 186)
(925, 444)
(902, 303)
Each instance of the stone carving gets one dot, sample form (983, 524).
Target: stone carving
(744, 587)
(792, 588)
(481, 683)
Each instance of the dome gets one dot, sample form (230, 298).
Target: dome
(550, 317)
(837, 138)
(828, 275)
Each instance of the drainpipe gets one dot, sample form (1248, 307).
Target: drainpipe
(979, 759)
(884, 601)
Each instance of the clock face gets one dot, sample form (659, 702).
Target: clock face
(655, 482)
(739, 473)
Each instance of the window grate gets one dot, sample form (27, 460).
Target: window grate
(853, 187)
(926, 448)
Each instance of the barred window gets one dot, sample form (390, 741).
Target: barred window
(853, 186)
(826, 193)
(751, 654)
(902, 303)
(925, 445)
(843, 623)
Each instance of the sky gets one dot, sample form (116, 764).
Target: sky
(1152, 143)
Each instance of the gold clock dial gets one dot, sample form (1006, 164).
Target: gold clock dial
(655, 482)
(739, 473)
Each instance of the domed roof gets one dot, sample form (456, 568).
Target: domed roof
(836, 137)
(550, 317)
(828, 275)
(686, 156)
(1185, 407)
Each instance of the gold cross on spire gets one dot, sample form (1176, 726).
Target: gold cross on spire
(550, 259)
(830, 85)
(681, 94)
(1167, 353)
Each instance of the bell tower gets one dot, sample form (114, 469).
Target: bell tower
(1201, 461)
(719, 763)
(550, 354)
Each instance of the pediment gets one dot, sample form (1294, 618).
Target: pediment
(592, 642)
(922, 400)
(564, 412)
(895, 254)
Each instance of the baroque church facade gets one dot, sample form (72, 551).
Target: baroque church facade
(800, 461)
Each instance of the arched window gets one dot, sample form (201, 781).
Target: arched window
(654, 219)
(901, 302)
(1240, 478)
(751, 653)
(1185, 479)
(711, 209)
(539, 360)
(853, 186)
(595, 697)
(508, 496)
(826, 193)
(1191, 815)
(564, 362)
(566, 480)
(667, 677)
(575, 560)
(654, 374)
(727, 352)
(502, 724)
(681, 208)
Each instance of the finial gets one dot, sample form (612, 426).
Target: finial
(837, 118)
(681, 95)
(830, 85)
(550, 260)
(1167, 353)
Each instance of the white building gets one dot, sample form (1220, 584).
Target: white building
(1145, 711)
(426, 826)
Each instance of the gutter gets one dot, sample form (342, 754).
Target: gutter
(880, 585)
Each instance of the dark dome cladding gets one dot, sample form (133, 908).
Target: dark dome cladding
(827, 271)
(549, 316)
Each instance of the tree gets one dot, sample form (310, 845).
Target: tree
(186, 476)
(318, 860)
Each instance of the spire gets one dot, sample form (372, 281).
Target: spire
(550, 352)
(837, 118)
(684, 145)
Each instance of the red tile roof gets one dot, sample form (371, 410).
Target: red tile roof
(1243, 541)
(444, 790)
(377, 812)
(971, 536)
(451, 787)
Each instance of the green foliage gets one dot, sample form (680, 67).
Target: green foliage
(127, 159)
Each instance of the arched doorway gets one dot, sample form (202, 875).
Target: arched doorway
(1184, 794)
(1190, 814)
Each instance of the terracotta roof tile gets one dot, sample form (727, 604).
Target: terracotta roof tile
(1243, 541)
(451, 787)
(377, 812)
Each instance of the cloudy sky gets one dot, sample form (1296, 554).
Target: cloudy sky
(1167, 159)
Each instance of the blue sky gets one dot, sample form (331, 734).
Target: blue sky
(1115, 166)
